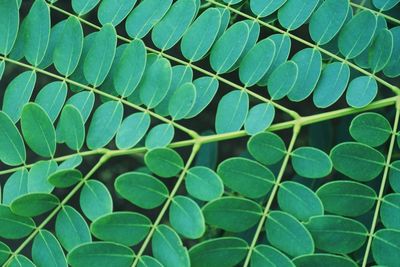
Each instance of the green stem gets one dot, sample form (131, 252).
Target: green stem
(378, 13)
(296, 130)
(383, 184)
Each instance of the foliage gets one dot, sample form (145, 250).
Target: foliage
(199, 133)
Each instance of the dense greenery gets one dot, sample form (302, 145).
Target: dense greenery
(199, 133)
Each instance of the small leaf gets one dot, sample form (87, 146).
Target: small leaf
(384, 5)
(168, 248)
(18, 93)
(337, 234)
(206, 88)
(370, 128)
(81, 7)
(143, 17)
(65, 178)
(12, 148)
(46, 251)
(5, 252)
(394, 176)
(182, 101)
(147, 261)
(299, 201)
(132, 130)
(357, 161)
(380, 50)
(9, 22)
(101, 254)
(287, 234)
(126, 228)
(141, 189)
(392, 69)
(356, 35)
(247, 177)
(295, 13)
(72, 127)
(361, 91)
(263, 8)
(71, 162)
(259, 143)
(13, 226)
(37, 179)
(100, 56)
(329, 260)
(223, 213)
(164, 162)
(84, 102)
(232, 112)
(221, 251)
(71, 229)
(51, 98)
(21, 261)
(269, 256)
(104, 125)
(347, 198)
(282, 80)
(389, 211)
(260, 117)
(95, 200)
(201, 35)
(386, 247)
(203, 183)
(15, 186)
(160, 136)
(34, 204)
(311, 162)
(111, 11)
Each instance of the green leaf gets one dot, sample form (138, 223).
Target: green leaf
(223, 213)
(218, 252)
(361, 91)
(328, 260)
(15, 186)
(71, 229)
(384, 5)
(201, 35)
(81, 7)
(56, 33)
(51, 98)
(111, 11)
(309, 63)
(4, 252)
(65, 178)
(12, 148)
(9, 22)
(271, 142)
(101, 254)
(46, 251)
(263, 8)
(156, 81)
(104, 125)
(232, 112)
(337, 234)
(206, 88)
(84, 102)
(394, 176)
(130, 67)
(203, 183)
(160, 136)
(370, 128)
(141, 189)
(295, 13)
(356, 35)
(34, 204)
(164, 162)
(389, 211)
(37, 32)
(18, 93)
(267, 256)
(282, 80)
(95, 200)
(37, 179)
(256, 62)
(147, 261)
(311, 162)
(229, 47)
(126, 228)
(145, 16)
(357, 161)
(38, 130)
(331, 85)
(247, 177)
(182, 101)
(326, 22)
(347, 198)
(72, 162)
(299, 201)
(13, 226)
(68, 49)
(21, 261)
(260, 117)
(168, 248)
(392, 69)
(287, 234)
(380, 50)
(100, 56)
(72, 127)
(386, 247)
(132, 130)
